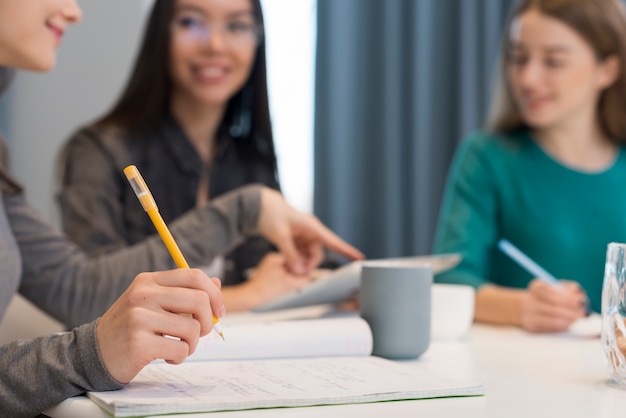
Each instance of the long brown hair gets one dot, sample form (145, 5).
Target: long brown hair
(602, 23)
(146, 98)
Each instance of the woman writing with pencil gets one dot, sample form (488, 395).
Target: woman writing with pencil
(138, 309)
(549, 175)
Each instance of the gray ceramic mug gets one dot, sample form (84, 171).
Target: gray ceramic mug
(395, 301)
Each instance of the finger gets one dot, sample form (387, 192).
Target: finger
(183, 277)
(333, 242)
(312, 255)
(217, 282)
(188, 333)
(199, 280)
(576, 288)
(558, 296)
(572, 286)
(196, 280)
(179, 300)
(170, 324)
(175, 300)
(171, 350)
(547, 324)
(185, 301)
(159, 335)
(557, 312)
(293, 259)
(538, 321)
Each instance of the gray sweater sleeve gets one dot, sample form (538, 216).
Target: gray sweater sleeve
(40, 373)
(60, 279)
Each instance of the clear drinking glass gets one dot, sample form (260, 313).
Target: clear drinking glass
(614, 311)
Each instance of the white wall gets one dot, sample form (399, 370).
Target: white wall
(290, 27)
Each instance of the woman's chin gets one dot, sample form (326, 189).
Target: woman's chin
(39, 63)
(537, 121)
(43, 67)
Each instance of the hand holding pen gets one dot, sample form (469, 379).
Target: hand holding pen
(549, 305)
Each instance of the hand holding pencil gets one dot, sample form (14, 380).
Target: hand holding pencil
(549, 304)
(134, 330)
(147, 201)
(138, 328)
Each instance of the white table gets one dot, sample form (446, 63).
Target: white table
(525, 375)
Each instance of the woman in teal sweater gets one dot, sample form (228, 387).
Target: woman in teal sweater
(550, 173)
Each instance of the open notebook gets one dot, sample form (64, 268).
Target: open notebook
(343, 283)
(289, 364)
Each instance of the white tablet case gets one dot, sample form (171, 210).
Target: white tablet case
(343, 283)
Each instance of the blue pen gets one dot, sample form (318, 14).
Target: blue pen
(530, 266)
(527, 263)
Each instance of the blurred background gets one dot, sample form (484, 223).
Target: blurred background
(40, 111)
(369, 99)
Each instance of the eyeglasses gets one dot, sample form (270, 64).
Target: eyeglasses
(235, 34)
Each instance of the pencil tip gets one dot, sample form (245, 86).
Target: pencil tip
(222, 335)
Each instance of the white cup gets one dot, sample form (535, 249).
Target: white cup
(452, 311)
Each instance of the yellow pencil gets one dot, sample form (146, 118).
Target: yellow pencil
(149, 205)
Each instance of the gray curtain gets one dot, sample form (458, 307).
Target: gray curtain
(398, 84)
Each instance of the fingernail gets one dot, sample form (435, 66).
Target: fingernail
(221, 311)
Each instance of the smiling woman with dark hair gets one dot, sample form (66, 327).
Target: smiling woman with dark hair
(194, 118)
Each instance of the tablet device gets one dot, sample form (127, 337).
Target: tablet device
(341, 284)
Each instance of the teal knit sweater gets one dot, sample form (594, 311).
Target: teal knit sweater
(508, 187)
